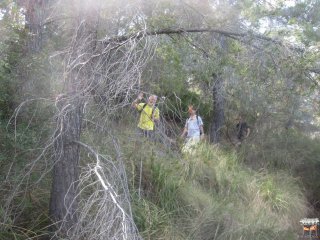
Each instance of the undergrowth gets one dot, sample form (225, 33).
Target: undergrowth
(209, 194)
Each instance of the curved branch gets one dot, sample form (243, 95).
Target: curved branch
(169, 31)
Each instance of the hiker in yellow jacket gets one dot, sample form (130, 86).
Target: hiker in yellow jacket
(149, 115)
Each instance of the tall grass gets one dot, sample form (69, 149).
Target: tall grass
(289, 151)
(23, 198)
(210, 195)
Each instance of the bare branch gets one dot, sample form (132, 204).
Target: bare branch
(234, 35)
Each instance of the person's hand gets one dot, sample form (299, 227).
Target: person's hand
(140, 96)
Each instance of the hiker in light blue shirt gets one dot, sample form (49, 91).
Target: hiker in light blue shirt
(194, 126)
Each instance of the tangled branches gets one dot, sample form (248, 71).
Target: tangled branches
(103, 201)
(99, 79)
(88, 200)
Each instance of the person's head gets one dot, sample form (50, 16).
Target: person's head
(191, 110)
(152, 100)
(239, 118)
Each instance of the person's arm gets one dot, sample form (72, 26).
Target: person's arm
(184, 132)
(156, 116)
(137, 100)
(248, 132)
(200, 126)
(201, 130)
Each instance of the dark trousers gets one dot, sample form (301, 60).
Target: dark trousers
(147, 133)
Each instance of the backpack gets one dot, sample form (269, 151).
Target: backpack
(198, 122)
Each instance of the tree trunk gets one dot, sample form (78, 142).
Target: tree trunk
(218, 92)
(65, 173)
(36, 12)
(218, 108)
(63, 203)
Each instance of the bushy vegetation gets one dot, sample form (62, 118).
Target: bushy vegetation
(290, 151)
(211, 195)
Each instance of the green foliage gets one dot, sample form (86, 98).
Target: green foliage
(8, 63)
(207, 194)
(163, 16)
(283, 149)
(151, 220)
(287, 150)
(172, 75)
(6, 91)
(26, 217)
(177, 108)
(21, 141)
(165, 187)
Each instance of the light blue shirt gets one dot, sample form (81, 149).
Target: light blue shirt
(193, 127)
